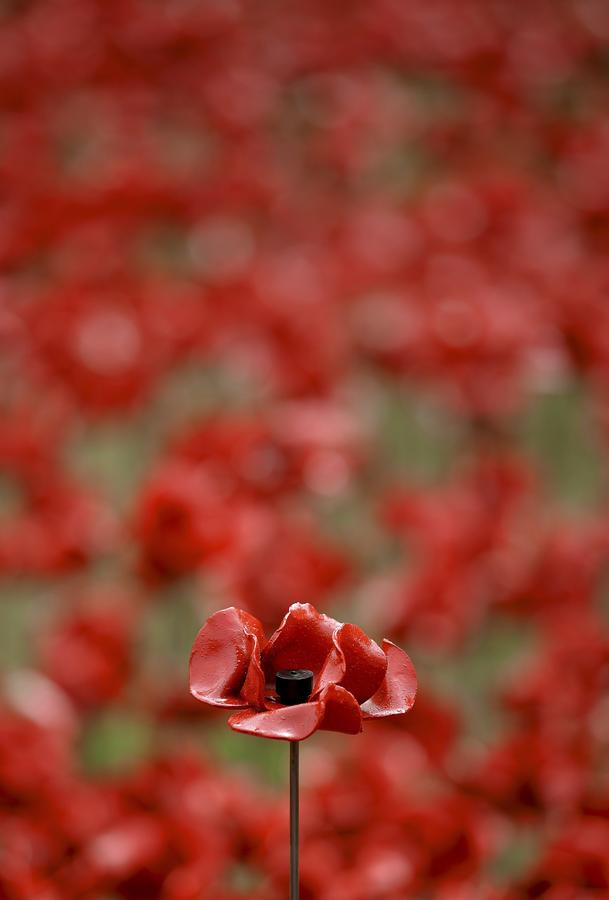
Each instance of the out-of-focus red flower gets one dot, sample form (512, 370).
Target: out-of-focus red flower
(528, 774)
(31, 440)
(473, 543)
(186, 522)
(102, 346)
(59, 528)
(474, 342)
(233, 665)
(19, 881)
(575, 864)
(310, 445)
(182, 520)
(89, 653)
(575, 641)
(308, 567)
(240, 452)
(565, 567)
(33, 759)
(176, 828)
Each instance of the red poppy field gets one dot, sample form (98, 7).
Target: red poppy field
(304, 302)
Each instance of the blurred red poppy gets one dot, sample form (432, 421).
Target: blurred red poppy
(89, 652)
(233, 665)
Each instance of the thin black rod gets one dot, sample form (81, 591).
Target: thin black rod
(294, 815)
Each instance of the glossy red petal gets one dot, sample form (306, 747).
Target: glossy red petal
(221, 656)
(285, 723)
(356, 662)
(335, 710)
(342, 711)
(366, 663)
(397, 693)
(302, 641)
(333, 669)
(253, 691)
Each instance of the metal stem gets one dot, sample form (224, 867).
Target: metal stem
(294, 804)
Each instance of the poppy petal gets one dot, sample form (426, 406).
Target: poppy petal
(342, 711)
(253, 691)
(333, 669)
(335, 710)
(366, 663)
(302, 641)
(397, 693)
(284, 723)
(221, 655)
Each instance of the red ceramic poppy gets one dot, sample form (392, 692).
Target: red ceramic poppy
(233, 665)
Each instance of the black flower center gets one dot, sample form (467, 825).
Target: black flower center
(293, 686)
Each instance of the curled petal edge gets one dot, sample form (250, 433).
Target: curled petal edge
(397, 693)
(253, 692)
(354, 662)
(333, 669)
(365, 662)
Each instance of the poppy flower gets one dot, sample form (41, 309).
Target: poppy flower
(88, 651)
(180, 522)
(234, 666)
